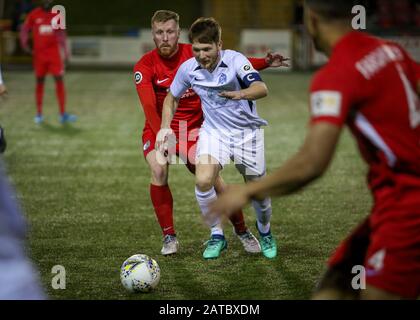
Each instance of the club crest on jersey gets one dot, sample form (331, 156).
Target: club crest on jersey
(222, 79)
(246, 67)
(146, 145)
(138, 77)
(326, 103)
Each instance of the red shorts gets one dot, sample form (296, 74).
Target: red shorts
(185, 147)
(387, 244)
(48, 64)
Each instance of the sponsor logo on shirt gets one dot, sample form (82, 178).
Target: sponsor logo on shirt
(246, 67)
(45, 29)
(326, 103)
(138, 77)
(162, 81)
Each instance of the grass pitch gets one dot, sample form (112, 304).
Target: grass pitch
(84, 189)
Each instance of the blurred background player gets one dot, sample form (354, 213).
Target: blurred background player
(49, 45)
(3, 91)
(18, 279)
(371, 85)
(153, 76)
(231, 127)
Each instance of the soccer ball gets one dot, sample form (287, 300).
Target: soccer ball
(140, 273)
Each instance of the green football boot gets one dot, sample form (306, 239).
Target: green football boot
(215, 246)
(268, 244)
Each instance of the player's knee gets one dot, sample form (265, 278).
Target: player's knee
(204, 182)
(159, 175)
(58, 78)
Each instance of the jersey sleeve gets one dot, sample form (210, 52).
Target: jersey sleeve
(26, 28)
(332, 93)
(245, 71)
(181, 82)
(143, 76)
(258, 63)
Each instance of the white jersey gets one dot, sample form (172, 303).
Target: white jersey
(233, 72)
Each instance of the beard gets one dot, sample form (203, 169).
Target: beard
(167, 51)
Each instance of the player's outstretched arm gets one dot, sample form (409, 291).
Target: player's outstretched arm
(256, 90)
(276, 60)
(305, 166)
(24, 37)
(271, 60)
(170, 105)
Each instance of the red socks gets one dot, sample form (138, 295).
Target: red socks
(39, 93)
(59, 90)
(163, 203)
(61, 95)
(238, 222)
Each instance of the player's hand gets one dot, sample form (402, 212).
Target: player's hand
(276, 60)
(164, 138)
(230, 201)
(3, 89)
(233, 95)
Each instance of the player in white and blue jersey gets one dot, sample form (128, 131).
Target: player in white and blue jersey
(18, 278)
(228, 87)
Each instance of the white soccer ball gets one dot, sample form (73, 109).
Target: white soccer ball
(140, 273)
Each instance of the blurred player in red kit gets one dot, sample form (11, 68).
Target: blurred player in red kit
(153, 75)
(48, 43)
(372, 86)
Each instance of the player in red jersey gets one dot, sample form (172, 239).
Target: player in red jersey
(47, 43)
(370, 85)
(153, 75)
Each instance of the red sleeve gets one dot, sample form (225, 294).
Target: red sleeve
(332, 93)
(258, 63)
(24, 32)
(143, 76)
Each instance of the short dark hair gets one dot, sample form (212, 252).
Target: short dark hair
(205, 30)
(333, 9)
(165, 15)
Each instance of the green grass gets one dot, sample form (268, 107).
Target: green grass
(84, 190)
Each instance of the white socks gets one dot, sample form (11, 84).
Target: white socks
(204, 199)
(263, 212)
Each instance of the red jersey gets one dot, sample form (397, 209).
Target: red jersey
(153, 76)
(369, 84)
(45, 38)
